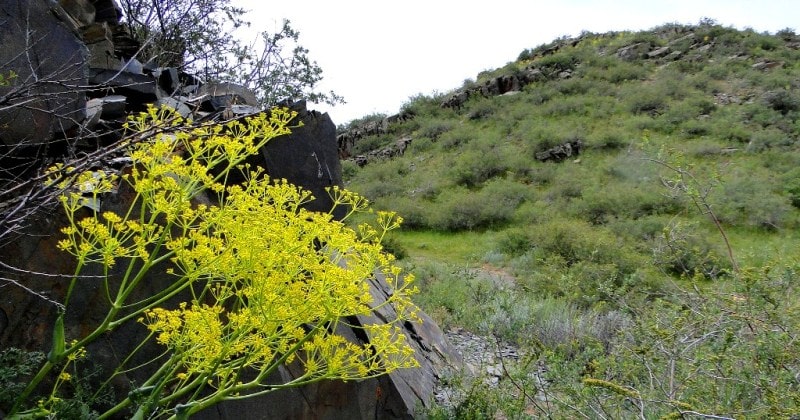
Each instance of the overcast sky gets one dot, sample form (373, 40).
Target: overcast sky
(378, 54)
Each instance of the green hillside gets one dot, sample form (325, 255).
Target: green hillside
(655, 273)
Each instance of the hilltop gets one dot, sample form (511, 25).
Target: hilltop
(622, 207)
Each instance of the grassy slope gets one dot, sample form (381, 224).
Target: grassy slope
(592, 242)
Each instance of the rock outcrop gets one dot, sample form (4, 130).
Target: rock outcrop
(348, 138)
(85, 43)
(561, 152)
(393, 150)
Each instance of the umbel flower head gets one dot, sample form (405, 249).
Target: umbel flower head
(270, 283)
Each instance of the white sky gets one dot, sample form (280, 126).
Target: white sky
(378, 54)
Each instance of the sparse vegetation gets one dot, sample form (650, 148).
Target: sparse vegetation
(655, 273)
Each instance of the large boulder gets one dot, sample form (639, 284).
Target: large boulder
(308, 157)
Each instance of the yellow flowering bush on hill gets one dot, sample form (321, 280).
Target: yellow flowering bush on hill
(270, 283)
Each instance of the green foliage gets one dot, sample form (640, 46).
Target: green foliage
(655, 278)
(476, 166)
(8, 79)
(16, 369)
(457, 209)
(791, 185)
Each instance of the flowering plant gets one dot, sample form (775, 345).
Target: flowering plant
(268, 283)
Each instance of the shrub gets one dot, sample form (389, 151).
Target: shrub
(783, 101)
(434, 128)
(515, 241)
(463, 212)
(647, 102)
(689, 340)
(481, 109)
(768, 138)
(747, 199)
(457, 137)
(791, 186)
(682, 250)
(349, 169)
(415, 214)
(370, 143)
(564, 59)
(477, 165)
(600, 205)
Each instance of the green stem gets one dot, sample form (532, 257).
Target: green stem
(43, 371)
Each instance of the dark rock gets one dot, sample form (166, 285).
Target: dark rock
(94, 108)
(102, 56)
(81, 11)
(50, 77)
(239, 110)
(688, 38)
(125, 45)
(634, 51)
(308, 157)
(767, 65)
(346, 140)
(456, 100)
(220, 96)
(180, 107)
(659, 53)
(139, 88)
(673, 56)
(168, 80)
(107, 11)
(704, 49)
(398, 148)
(560, 152)
(96, 32)
(113, 107)
(532, 75)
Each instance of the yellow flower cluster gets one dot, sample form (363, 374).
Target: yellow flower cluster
(282, 271)
(198, 330)
(271, 282)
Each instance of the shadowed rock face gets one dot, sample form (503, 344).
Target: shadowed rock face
(308, 157)
(41, 45)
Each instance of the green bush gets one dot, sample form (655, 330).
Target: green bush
(683, 250)
(460, 209)
(791, 186)
(349, 169)
(434, 128)
(475, 166)
(457, 137)
(747, 199)
(601, 205)
(370, 143)
(647, 101)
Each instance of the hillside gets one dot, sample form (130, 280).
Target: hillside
(622, 208)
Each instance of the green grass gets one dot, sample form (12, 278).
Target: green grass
(456, 248)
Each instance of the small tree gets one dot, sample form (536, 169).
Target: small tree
(270, 283)
(195, 36)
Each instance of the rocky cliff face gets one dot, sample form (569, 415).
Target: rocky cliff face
(84, 45)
